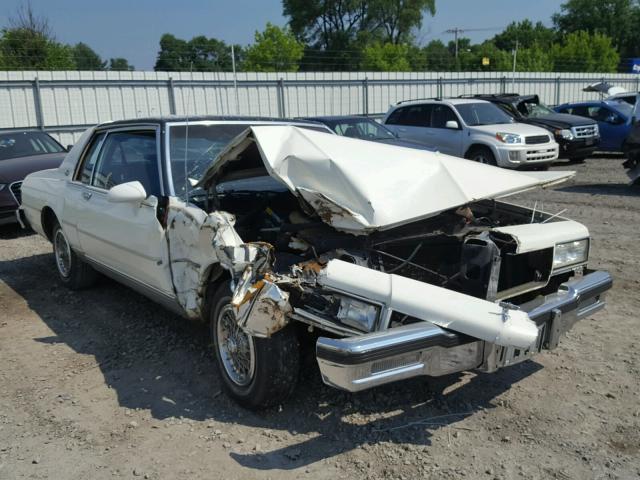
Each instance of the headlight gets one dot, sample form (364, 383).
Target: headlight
(597, 130)
(358, 314)
(570, 253)
(509, 137)
(566, 134)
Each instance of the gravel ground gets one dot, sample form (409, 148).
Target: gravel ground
(104, 383)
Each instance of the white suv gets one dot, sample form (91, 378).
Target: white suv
(473, 129)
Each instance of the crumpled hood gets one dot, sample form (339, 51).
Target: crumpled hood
(560, 120)
(360, 186)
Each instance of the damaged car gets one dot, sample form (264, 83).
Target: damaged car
(389, 262)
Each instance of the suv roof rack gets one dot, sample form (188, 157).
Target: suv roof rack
(418, 99)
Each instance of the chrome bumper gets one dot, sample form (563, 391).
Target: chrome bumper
(365, 361)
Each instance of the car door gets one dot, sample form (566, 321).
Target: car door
(449, 140)
(610, 124)
(125, 237)
(413, 123)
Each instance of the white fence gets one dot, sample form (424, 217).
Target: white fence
(65, 103)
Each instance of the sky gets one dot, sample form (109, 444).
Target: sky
(132, 28)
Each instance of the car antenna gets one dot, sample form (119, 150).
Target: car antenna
(186, 139)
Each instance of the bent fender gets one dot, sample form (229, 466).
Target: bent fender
(448, 309)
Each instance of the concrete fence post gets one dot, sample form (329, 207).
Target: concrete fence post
(172, 96)
(37, 100)
(365, 96)
(280, 97)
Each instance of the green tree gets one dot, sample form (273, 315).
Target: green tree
(200, 53)
(612, 18)
(86, 58)
(121, 64)
(27, 43)
(499, 60)
(585, 52)
(386, 57)
(439, 57)
(397, 18)
(527, 35)
(274, 50)
(337, 31)
(534, 59)
(23, 49)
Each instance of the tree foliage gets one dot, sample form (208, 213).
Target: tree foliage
(385, 57)
(275, 50)
(200, 54)
(526, 34)
(585, 52)
(607, 17)
(27, 42)
(86, 58)
(120, 64)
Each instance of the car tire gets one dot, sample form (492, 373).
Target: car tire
(577, 160)
(256, 372)
(482, 155)
(73, 272)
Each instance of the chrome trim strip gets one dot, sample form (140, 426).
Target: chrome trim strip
(15, 199)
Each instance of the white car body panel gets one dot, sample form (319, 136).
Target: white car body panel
(472, 316)
(537, 236)
(360, 186)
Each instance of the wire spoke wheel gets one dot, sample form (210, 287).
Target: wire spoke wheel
(62, 252)
(236, 348)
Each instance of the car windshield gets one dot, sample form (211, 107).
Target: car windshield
(532, 109)
(364, 128)
(200, 148)
(622, 107)
(475, 114)
(27, 144)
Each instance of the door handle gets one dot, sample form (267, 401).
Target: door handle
(86, 195)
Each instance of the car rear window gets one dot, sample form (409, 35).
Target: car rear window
(27, 144)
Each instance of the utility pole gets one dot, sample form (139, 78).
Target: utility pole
(455, 32)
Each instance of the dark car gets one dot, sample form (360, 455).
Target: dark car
(578, 137)
(21, 153)
(632, 154)
(614, 118)
(367, 129)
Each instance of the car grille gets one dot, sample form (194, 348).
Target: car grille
(537, 139)
(540, 155)
(16, 192)
(587, 131)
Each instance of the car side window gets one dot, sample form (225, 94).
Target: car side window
(440, 115)
(127, 157)
(90, 158)
(411, 116)
(580, 111)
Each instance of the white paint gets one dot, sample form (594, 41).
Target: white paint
(537, 236)
(370, 186)
(448, 309)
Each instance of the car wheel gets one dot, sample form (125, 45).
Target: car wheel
(72, 271)
(256, 372)
(481, 155)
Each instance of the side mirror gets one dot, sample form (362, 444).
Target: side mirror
(130, 192)
(69, 147)
(452, 124)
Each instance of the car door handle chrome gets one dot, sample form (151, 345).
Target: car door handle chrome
(86, 195)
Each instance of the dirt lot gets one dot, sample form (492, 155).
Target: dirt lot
(103, 384)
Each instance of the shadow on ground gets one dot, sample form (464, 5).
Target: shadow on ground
(612, 189)
(156, 361)
(14, 230)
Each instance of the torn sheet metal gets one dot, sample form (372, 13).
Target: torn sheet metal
(359, 186)
(538, 236)
(261, 307)
(448, 309)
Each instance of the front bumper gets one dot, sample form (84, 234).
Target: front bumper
(520, 155)
(578, 148)
(361, 362)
